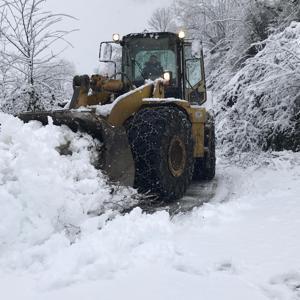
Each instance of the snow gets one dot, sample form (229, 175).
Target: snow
(209, 104)
(242, 244)
(196, 48)
(41, 191)
(104, 110)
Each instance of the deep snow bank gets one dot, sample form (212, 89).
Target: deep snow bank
(244, 244)
(43, 192)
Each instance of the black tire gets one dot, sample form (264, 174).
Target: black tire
(205, 168)
(162, 146)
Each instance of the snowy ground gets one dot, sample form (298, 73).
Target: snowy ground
(243, 244)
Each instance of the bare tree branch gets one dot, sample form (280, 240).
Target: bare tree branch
(162, 20)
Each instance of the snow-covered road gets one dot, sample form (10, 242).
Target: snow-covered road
(243, 244)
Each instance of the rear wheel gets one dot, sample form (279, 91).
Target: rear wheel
(205, 167)
(162, 146)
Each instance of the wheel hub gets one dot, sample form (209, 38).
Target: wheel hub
(177, 156)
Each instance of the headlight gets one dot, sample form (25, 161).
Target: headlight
(167, 75)
(116, 37)
(181, 34)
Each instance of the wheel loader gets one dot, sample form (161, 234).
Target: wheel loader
(154, 132)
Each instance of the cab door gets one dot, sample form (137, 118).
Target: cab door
(194, 79)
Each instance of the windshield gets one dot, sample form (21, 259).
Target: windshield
(148, 58)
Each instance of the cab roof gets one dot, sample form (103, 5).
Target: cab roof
(155, 35)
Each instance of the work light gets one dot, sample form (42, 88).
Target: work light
(167, 76)
(116, 37)
(181, 34)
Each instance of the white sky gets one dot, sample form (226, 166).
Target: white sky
(98, 20)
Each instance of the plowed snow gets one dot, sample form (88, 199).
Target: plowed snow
(243, 244)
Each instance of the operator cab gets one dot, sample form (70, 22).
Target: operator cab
(139, 50)
(162, 55)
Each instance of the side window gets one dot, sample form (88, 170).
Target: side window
(195, 89)
(193, 72)
(192, 66)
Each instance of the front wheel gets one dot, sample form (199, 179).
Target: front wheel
(162, 146)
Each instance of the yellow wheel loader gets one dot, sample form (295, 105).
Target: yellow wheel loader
(155, 133)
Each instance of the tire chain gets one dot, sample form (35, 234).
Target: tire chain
(145, 131)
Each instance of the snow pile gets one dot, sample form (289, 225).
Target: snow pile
(242, 245)
(259, 107)
(43, 192)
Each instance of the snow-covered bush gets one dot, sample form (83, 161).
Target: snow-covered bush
(52, 86)
(259, 108)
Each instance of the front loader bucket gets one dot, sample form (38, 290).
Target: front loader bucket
(116, 157)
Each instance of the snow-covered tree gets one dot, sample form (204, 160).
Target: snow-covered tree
(286, 12)
(56, 87)
(162, 20)
(212, 21)
(230, 29)
(260, 107)
(29, 34)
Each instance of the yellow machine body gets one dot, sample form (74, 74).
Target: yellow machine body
(127, 104)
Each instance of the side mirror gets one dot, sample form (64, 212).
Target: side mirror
(105, 52)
